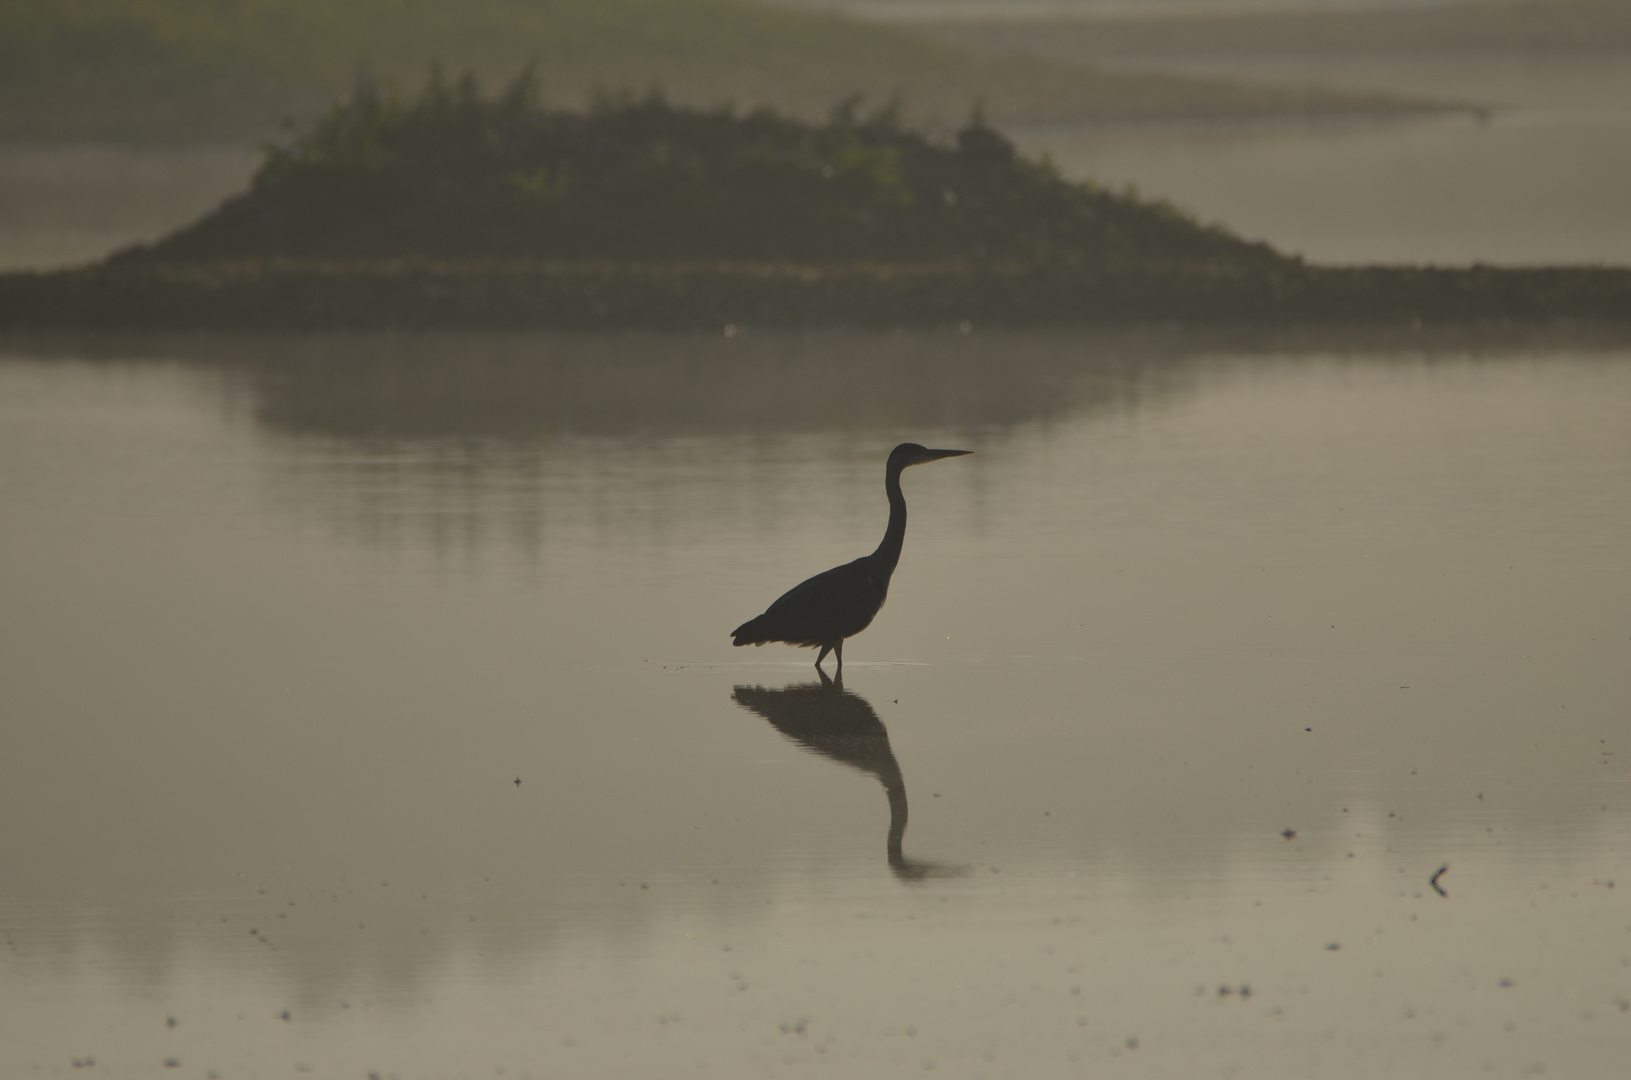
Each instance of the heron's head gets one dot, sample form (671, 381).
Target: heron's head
(910, 453)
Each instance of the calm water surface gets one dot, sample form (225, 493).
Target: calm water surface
(368, 707)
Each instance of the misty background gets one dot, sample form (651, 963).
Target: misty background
(1450, 132)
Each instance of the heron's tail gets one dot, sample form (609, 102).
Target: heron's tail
(752, 632)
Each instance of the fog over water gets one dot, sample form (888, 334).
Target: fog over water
(1191, 677)
(1536, 180)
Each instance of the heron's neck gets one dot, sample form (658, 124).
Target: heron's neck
(895, 788)
(888, 553)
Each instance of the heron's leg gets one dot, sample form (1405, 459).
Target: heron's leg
(825, 649)
(839, 649)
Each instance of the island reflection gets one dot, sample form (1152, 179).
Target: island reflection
(840, 724)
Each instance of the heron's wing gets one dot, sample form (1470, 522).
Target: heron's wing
(822, 610)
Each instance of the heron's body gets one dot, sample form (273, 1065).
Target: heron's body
(824, 610)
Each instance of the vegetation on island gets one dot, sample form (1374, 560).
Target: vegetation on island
(457, 209)
(457, 174)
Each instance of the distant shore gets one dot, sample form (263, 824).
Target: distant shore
(298, 296)
(455, 209)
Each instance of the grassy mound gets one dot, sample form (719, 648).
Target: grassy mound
(460, 210)
(455, 174)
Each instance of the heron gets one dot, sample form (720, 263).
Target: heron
(824, 610)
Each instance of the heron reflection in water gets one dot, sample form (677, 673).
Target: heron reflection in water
(839, 724)
(841, 602)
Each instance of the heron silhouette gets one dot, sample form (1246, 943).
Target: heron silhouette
(840, 603)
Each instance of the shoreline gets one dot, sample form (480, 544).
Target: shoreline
(299, 296)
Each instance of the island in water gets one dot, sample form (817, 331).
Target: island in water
(462, 209)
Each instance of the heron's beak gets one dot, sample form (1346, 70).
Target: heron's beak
(936, 455)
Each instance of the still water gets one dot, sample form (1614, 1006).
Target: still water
(368, 707)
